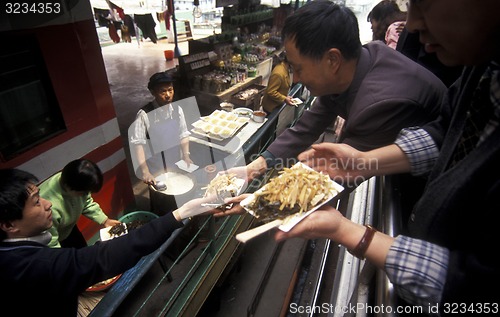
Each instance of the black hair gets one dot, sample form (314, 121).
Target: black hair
(13, 194)
(382, 10)
(82, 175)
(321, 25)
(279, 58)
(385, 13)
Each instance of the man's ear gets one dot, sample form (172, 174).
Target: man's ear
(334, 56)
(8, 226)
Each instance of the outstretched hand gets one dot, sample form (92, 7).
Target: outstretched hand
(110, 222)
(192, 208)
(235, 208)
(341, 162)
(322, 223)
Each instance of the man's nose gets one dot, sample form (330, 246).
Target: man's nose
(47, 203)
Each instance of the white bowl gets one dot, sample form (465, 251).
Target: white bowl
(258, 116)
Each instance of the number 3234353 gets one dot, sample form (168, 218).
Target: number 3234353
(32, 7)
(473, 308)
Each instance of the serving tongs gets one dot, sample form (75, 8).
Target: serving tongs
(222, 206)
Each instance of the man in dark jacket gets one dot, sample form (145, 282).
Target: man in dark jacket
(41, 281)
(377, 90)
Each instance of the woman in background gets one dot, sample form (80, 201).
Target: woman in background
(388, 21)
(278, 86)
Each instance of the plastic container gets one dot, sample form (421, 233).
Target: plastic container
(169, 55)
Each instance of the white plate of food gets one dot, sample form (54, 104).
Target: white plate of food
(223, 185)
(297, 101)
(288, 198)
(109, 233)
(243, 112)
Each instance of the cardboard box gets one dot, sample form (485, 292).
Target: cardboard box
(252, 102)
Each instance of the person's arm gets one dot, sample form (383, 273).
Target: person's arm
(327, 222)
(147, 177)
(420, 149)
(110, 222)
(305, 132)
(92, 210)
(137, 142)
(256, 168)
(418, 270)
(77, 269)
(414, 151)
(185, 151)
(273, 89)
(348, 165)
(418, 275)
(235, 209)
(184, 137)
(192, 208)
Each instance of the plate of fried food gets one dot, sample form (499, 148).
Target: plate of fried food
(109, 233)
(288, 198)
(223, 186)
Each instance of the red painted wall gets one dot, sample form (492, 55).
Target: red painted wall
(74, 61)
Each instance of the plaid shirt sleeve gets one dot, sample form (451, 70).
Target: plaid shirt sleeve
(418, 270)
(420, 149)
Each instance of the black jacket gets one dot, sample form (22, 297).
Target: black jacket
(40, 281)
(460, 208)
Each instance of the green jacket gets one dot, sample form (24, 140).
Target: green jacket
(67, 209)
